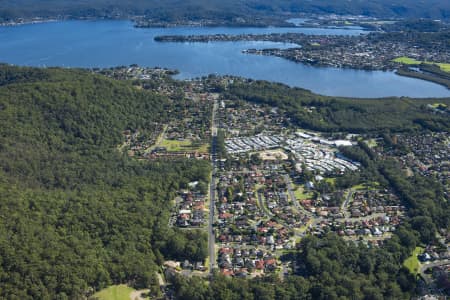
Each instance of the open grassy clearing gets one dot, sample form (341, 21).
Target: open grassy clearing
(367, 186)
(436, 105)
(331, 181)
(114, 292)
(412, 262)
(372, 143)
(359, 187)
(407, 60)
(444, 67)
(258, 187)
(206, 264)
(300, 194)
(411, 61)
(184, 145)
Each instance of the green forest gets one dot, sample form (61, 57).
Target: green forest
(77, 215)
(331, 114)
(173, 10)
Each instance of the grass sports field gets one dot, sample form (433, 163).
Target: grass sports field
(185, 145)
(115, 292)
(407, 61)
(444, 67)
(411, 61)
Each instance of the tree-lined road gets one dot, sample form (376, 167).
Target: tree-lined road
(212, 191)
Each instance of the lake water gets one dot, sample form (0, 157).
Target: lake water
(113, 43)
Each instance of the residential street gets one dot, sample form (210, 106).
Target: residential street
(212, 192)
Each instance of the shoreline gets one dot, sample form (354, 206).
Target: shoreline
(425, 77)
(343, 52)
(30, 22)
(139, 23)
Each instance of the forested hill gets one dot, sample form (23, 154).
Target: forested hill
(198, 9)
(330, 114)
(69, 112)
(76, 214)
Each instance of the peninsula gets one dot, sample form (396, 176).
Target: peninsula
(415, 54)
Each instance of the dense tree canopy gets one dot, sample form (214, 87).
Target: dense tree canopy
(312, 111)
(197, 9)
(329, 267)
(75, 213)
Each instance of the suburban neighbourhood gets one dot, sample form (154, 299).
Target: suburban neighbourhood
(274, 183)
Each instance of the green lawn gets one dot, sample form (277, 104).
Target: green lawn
(444, 67)
(411, 61)
(258, 187)
(436, 105)
(366, 186)
(207, 262)
(115, 292)
(331, 180)
(185, 145)
(300, 194)
(412, 262)
(407, 60)
(372, 143)
(359, 187)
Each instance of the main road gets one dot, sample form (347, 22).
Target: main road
(212, 191)
(262, 205)
(428, 265)
(293, 198)
(344, 205)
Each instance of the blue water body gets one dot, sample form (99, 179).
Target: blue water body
(113, 43)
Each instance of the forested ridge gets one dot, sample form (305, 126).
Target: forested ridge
(221, 10)
(330, 114)
(76, 214)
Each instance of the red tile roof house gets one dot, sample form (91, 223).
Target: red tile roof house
(223, 238)
(271, 264)
(225, 216)
(185, 216)
(225, 250)
(227, 272)
(259, 264)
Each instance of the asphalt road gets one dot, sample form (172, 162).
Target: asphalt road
(429, 265)
(263, 206)
(292, 196)
(212, 193)
(345, 203)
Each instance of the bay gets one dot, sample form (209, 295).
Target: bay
(113, 43)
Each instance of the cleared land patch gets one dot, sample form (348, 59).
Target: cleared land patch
(115, 292)
(407, 60)
(273, 155)
(444, 67)
(411, 61)
(301, 194)
(412, 262)
(183, 145)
